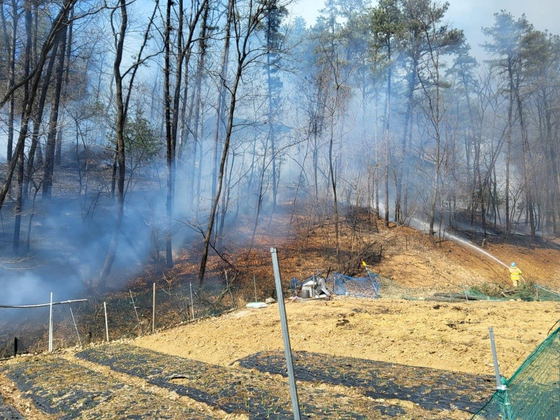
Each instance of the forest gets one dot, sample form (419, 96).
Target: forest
(128, 128)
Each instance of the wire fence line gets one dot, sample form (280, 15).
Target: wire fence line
(35, 328)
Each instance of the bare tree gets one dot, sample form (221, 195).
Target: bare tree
(123, 94)
(34, 78)
(244, 20)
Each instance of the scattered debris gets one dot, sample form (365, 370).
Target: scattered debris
(256, 305)
(314, 287)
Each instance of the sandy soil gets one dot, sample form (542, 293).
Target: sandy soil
(451, 336)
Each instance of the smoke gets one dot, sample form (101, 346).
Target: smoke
(69, 242)
(29, 289)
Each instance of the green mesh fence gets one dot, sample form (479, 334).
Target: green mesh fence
(474, 294)
(543, 294)
(533, 392)
(528, 292)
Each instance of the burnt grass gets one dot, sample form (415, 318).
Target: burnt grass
(432, 389)
(7, 412)
(68, 391)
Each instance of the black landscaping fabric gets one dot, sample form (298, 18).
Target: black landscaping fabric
(329, 387)
(432, 389)
(235, 390)
(70, 391)
(7, 412)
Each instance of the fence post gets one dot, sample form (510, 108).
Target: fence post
(136, 313)
(500, 385)
(285, 334)
(76, 327)
(192, 302)
(51, 324)
(154, 309)
(106, 322)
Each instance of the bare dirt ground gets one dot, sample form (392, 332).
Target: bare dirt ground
(451, 336)
(408, 325)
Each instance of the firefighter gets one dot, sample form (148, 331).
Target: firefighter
(514, 274)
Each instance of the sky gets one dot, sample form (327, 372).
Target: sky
(472, 15)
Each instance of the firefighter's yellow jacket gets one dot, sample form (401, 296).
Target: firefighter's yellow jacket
(515, 274)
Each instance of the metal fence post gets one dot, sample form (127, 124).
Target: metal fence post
(106, 321)
(285, 334)
(154, 309)
(500, 385)
(51, 324)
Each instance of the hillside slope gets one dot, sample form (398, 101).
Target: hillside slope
(409, 327)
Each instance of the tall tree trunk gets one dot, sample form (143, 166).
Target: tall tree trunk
(68, 53)
(196, 109)
(53, 122)
(508, 147)
(387, 131)
(172, 103)
(37, 122)
(220, 107)
(120, 148)
(19, 157)
(57, 25)
(169, 132)
(526, 161)
(271, 131)
(407, 125)
(216, 198)
(12, 45)
(333, 184)
(218, 172)
(242, 37)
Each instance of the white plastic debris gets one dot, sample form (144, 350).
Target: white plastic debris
(256, 305)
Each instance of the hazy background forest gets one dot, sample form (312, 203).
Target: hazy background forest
(131, 128)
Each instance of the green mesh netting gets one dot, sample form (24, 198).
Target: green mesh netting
(528, 292)
(474, 294)
(533, 392)
(543, 294)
